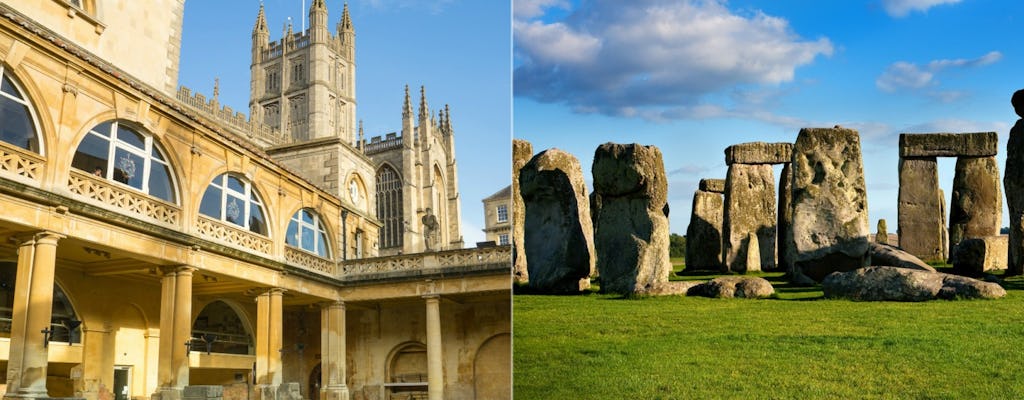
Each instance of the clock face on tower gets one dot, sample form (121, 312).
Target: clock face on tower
(354, 193)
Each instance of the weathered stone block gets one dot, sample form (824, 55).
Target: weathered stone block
(758, 153)
(630, 208)
(202, 392)
(522, 151)
(980, 255)
(920, 217)
(976, 208)
(749, 208)
(980, 144)
(704, 234)
(557, 230)
(830, 213)
(901, 284)
(882, 232)
(785, 217)
(1013, 183)
(712, 185)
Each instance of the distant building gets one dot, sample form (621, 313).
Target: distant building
(497, 216)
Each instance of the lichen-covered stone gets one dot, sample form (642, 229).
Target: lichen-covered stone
(901, 284)
(728, 287)
(704, 234)
(976, 208)
(522, 151)
(920, 216)
(749, 208)
(557, 230)
(630, 212)
(830, 213)
(785, 218)
(712, 185)
(883, 255)
(979, 144)
(882, 232)
(758, 153)
(979, 255)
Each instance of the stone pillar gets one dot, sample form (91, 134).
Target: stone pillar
(919, 211)
(435, 371)
(749, 208)
(1013, 183)
(97, 363)
(31, 312)
(976, 208)
(704, 234)
(522, 151)
(175, 331)
(785, 217)
(332, 351)
(268, 343)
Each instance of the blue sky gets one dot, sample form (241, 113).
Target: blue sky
(693, 77)
(458, 49)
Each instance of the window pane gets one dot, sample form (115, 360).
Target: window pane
(157, 155)
(91, 156)
(307, 238)
(236, 184)
(307, 216)
(130, 137)
(257, 223)
(16, 125)
(8, 88)
(210, 205)
(160, 182)
(128, 168)
(291, 237)
(103, 129)
(234, 210)
(322, 246)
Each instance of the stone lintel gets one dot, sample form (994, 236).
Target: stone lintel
(977, 144)
(759, 153)
(712, 185)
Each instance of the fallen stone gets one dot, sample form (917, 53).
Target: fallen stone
(728, 287)
(749, 208)
(883, 255)
(976, 208)
(630, 214)
(704, 233)
(522, 151)
(677, 288)
(758, 153)
(920, 217)
(830, 213)
(979, 144)
(712, 185)
(976, 256)
(557, 230)
(901, 284)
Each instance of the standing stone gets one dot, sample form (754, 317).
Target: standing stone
(830, 213)
(920, 215)
(521, 153)
(749, 208)
(753, 261)
(704, 234)
(976, 209)
(785, 217)
(630, 218)
(975, 256)
(1013, 183)
(882, 233)
(557, 231)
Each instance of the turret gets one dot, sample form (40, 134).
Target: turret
(260, 36)
(318, 22)
(347, 35)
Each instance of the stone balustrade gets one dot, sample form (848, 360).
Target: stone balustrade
(474, 257)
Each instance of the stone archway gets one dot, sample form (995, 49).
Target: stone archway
(492, 369)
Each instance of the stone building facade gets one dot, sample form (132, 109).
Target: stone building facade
(154, 242)
(498, 217)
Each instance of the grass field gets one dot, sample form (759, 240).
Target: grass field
(797, 346)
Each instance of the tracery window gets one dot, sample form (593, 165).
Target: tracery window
(17, 126)
(306, 231)
(232, 199)
(389, 207)
(116, 152)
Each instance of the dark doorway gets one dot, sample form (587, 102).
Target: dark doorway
(122, 379)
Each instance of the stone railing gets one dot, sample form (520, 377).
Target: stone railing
(498, 255)
(100, 190)
(236, 236)
(236, 122)
(20, 162)
(309, 261)
(376, 145)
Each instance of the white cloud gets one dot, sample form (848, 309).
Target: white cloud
(901, 8)
(654, 59)
(527, 9)
(955, 125)
(903, 75)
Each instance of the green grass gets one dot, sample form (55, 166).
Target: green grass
(798, 346)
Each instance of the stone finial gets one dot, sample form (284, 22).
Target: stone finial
(424, 111)
(261, 21)
(407, 106)
(346, 20)
(447, 120)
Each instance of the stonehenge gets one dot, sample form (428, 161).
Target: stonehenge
(704, 233)
(750, 204)
(1013, 183)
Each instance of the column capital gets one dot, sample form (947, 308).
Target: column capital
(332, 304)
(48, 237)
(432, 296)
(171, 270)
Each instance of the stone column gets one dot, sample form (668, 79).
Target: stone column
(32, 309)
(332, 350)
(435, 371)
(175, 331)
(749, 208)
(976, 208)
(920, 209)
(98, 362)
(268, 343)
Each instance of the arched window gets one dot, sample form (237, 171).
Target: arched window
(232, 199)
(389, 207)
(64, 323)
(407, 372)
(307, 232)
(116, 152)
(17, 126)
(219, 329)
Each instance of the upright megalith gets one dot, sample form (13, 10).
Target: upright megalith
(704, 234)
(522, 151)
(920, 220)
(557, 230)
(1013, 183)
(830, 210)
(749, 208)
(976, 208)
(785, 216)
(630, 214)
(882, 232)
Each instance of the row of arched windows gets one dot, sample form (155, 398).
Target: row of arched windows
(118, 152)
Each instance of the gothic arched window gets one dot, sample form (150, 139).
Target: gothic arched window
(389, 207)
(232, 199)
(307, 232)
(17, 126)
(116, 152)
